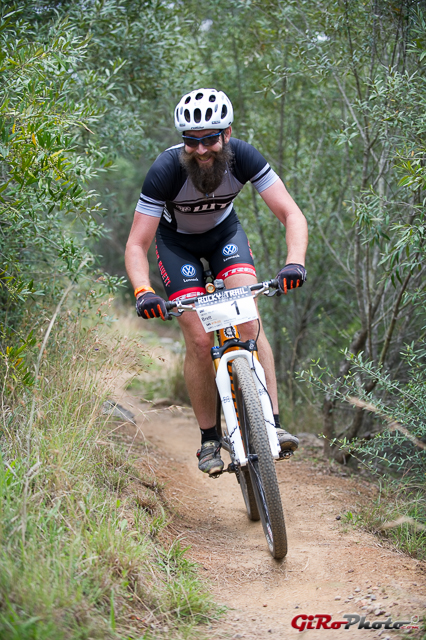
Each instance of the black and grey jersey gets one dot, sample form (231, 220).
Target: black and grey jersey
(168, 193)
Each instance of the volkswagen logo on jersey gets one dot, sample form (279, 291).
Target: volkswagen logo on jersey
(229, 249)
(187, 270)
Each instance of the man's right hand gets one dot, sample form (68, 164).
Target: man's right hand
(149, 305)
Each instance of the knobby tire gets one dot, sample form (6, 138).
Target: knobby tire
(261, 471)
(248, 494)
(243, 475)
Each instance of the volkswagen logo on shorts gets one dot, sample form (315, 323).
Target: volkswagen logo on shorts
(188, 271)
(229, 249)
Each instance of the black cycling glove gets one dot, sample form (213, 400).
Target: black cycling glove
(291, 276)
(149, 305)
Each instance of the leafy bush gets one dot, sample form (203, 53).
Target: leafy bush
(397, 444)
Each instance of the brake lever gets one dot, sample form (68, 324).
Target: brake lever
(275, 292)
(261, 291)
(180, 309)
(267, 291)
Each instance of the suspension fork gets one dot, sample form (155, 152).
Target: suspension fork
(218, 415)
(228, 341)
(222, 358)
(222, 335)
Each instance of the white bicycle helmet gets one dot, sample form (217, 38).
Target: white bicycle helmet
(204, 109)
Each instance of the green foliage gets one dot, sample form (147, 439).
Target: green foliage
(46, 163)
(397, 447)
(73, 95)
(350, 518)
(47, 158)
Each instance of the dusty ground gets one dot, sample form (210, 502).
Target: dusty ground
(331, 568)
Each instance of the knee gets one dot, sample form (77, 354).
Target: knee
(249, 330)
(199, 345)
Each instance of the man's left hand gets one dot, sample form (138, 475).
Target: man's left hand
(291, 276)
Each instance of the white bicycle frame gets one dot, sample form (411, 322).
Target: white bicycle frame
(233, 439)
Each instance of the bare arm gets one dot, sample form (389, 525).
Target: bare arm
(286, 210)
(140, 239)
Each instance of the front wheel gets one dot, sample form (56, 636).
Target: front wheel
(249, 494)
(261, 466)
(242, 473)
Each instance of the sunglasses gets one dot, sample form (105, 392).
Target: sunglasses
(206, 141)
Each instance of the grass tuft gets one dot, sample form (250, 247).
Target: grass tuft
(397, 514)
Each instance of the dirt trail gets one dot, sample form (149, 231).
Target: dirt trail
(330, 568)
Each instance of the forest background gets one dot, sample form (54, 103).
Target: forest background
(334, 96)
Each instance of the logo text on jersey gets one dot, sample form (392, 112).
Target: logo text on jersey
(229, 249)
(188, 270)
(162, 268)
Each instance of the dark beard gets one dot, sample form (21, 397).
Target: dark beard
(207, 179)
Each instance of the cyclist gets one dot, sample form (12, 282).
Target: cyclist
(186, 204)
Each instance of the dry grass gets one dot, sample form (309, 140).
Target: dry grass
(80, 551)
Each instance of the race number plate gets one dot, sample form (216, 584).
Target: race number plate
(225, 308)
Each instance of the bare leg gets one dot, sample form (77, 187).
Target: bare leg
(198, 369)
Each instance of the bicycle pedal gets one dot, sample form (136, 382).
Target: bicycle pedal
(285, 455)
(215, 475)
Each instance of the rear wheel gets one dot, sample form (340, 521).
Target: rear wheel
(261, 466)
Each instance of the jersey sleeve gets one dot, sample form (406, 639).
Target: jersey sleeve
(251, 166)
(162, 183)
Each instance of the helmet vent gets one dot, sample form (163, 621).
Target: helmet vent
(188, 100)
(197, 115)
(187, 115)
(212, 98)
(209, 114)
(224, 112)
(199, 96)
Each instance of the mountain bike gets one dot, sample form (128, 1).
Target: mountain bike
(249, 433)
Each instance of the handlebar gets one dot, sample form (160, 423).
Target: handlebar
(259, 288)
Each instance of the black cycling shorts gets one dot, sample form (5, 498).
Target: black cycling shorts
(225, 247)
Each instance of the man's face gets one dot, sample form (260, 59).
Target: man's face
(206, 166)
(205, 155)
